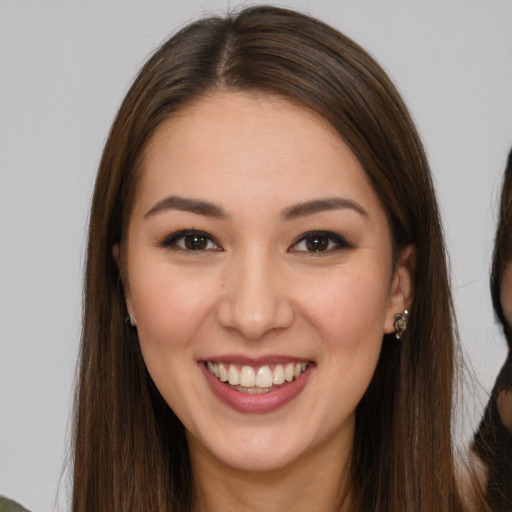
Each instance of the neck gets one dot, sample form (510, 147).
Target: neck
(317, 481)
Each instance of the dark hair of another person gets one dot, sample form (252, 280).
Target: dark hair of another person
(130, 451)
(492, 441)
(503, 248)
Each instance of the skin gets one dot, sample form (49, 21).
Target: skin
(505, 397)
(506, 293)
(258, 290)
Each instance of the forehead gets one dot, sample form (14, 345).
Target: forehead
(255, 147)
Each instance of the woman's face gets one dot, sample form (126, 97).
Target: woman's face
(259, 277)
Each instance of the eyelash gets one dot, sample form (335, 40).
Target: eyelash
(171, 241)
(334, 241)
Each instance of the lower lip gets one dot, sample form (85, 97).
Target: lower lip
(256, 403)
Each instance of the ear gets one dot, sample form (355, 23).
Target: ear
(401, 293)
(126, 285)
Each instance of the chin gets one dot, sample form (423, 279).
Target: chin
(255, 450)
(260, 461)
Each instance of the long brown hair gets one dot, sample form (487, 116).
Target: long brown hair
(130, 451)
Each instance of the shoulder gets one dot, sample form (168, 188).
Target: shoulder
(7, 505)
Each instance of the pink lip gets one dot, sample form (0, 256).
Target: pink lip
(261, 403)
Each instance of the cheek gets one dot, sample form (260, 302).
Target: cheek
(349, 310)
(506, 293)
(170, 310)
(348, 315)
(169, 307)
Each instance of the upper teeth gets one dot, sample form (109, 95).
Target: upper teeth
(262, 377)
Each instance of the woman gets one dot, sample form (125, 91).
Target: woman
(264, 219)
(493, 440)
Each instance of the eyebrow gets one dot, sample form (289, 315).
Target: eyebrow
(198, 206)
(209, 209)
(322, 205)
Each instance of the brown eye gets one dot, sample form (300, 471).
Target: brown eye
(195, 242)
(320, 242)
(191, 240)
(317, 243)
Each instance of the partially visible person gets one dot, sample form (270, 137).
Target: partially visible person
(7, 505)
(493, 440)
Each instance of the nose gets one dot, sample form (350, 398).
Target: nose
(255, 298)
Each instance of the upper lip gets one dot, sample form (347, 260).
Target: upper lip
(256, 361)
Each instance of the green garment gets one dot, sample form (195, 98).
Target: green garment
(10, 506)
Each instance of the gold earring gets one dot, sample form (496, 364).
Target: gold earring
(401, 320)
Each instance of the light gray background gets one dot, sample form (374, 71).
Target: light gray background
(64, 67)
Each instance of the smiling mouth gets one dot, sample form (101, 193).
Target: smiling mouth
(256, 380)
